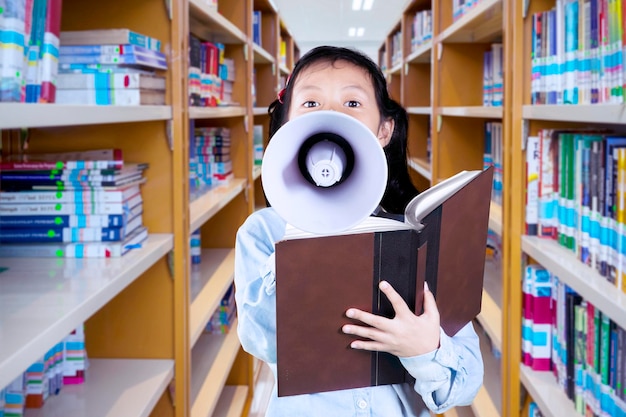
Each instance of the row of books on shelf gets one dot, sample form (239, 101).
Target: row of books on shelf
(211, 74)
(71, 204)
(395, 48)
(493, 76)
(576, 180)
(421, 28)
(224, 316)
(565, 334)
(210, 161)
(492, 156)
(63, 364)
(462, 7)
(257, 19)
(577, 53)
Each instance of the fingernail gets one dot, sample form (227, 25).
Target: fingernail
(354, 345)
(346, 329)
(383, 285)
(350, 313)
(426, 286)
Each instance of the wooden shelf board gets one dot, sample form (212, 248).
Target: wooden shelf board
(488, 401)
(42, 300)
(472, 111)
(115, 387)
(483, 23)
(19, 115)
(550, 397)
(209, 282)
(256, 172)
(211, 202)
(260, 111)
(582, 278)
(425, 110)
(206, 22)
(490, 318)
(422, 166)
(212, 358)
(396, 69)
(593, 113)
(421, 54)
(495, 218)
(196, 112)
(232, 401)
(283, 69)
(483, 406)
(261, 56)
(263, 386)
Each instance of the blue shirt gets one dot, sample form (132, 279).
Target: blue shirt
(447, 377)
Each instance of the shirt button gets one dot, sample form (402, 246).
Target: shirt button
(362, 404)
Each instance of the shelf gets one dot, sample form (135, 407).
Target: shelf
(261, 56)
(260, 111)
(483, 23)
(232, 401)
(284, 70)
(472, 111)
(545, 391)
(263, 386)
(256, 172)
(490, 318)
(582, 278)
(207, 205)
(422, 166)
(216, 112)
(495, 218)
(419, 110)
(422, 54)
(42, 300)
(212, 358)
(19, 115)
(209, 282)
(207, 23)
(593, 113)
(396, 69)
(488, 401)
(115, 387)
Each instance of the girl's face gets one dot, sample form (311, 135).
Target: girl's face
(340, 86)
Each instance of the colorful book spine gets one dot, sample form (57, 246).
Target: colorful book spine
(152, 60)
(532, 185)
(49, 57)
(61, 209)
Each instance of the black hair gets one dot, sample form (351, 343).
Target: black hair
(400, 190)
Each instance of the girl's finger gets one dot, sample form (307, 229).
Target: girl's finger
(397, 302)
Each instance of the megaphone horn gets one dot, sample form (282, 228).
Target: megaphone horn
(324, 172)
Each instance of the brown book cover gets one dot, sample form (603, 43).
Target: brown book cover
(443, 241)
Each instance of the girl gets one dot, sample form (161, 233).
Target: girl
(448, 371)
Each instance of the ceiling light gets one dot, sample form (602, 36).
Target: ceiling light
(352, 32)
(367, 4)
(360, 31)
(356, 4)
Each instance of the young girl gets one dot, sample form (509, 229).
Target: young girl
(448, 370)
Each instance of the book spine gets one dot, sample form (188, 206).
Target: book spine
(84, 196)
(50, 52)
(108, 80)
(127, 97)
(532, 185)
(65, 235)
(68, 208)
(102, 221)
(152, 60)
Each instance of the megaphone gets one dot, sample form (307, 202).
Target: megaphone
(324, 172)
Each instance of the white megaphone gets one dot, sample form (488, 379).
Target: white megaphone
(324, 172)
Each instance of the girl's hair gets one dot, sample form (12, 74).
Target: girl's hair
(400, 190)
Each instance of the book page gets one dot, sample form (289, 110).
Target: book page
(370, 224)
(428, 200)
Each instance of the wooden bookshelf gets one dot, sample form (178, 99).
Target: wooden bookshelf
(440, 83)
(145, 313)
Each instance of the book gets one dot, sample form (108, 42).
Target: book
(91, 159)
(75, 250)
(76, 207)
(442, 241)
(109, 80)
(109, 37)
(154, 60)
(72, 220)
(49, 55)
(125, 97)
(87, 195)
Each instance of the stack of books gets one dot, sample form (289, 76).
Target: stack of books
(72, 205)
(211, 150)
(110, 66)
(222, 319)
(211, 74)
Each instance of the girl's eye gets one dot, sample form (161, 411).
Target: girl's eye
(309, 104)
(353, 103)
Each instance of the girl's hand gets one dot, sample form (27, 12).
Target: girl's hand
(405, 335)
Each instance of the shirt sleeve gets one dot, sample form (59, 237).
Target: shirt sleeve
(451, 375)
(255, 283)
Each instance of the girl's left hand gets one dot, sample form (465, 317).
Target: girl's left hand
(405, 335)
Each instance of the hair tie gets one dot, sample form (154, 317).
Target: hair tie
(281, 93)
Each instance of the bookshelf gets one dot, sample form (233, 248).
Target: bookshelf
(145, 313)
(528, 119)
(439, 80)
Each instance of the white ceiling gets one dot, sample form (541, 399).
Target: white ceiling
(326, 22)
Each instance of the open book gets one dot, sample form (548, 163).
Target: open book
(318, 277)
